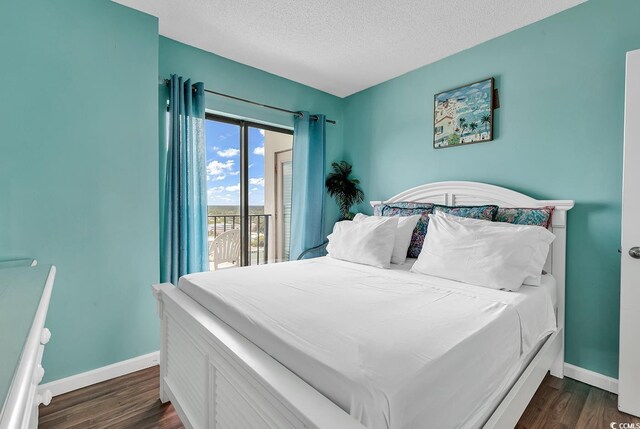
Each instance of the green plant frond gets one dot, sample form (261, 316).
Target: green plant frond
(343, 188)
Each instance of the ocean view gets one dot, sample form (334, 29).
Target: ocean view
(231, 210)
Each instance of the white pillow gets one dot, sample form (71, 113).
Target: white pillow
(541, 251)
(483, 255)
(369, 241)
(406, 225)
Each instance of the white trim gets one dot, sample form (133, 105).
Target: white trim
(591, 378)
(98, 375)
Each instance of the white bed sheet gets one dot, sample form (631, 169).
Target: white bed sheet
(394, 349)
(547, 282)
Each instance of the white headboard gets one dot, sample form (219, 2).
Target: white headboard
(473, 193)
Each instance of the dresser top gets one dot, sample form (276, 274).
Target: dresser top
(21, 289)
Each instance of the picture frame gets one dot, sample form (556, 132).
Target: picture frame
(464, 115)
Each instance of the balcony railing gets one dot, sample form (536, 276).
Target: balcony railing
(258, 233)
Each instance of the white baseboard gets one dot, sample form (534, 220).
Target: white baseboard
(592, 378)
(98, 375)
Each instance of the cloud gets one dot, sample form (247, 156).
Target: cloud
(234, 173)
(261, 131)
(216, 168)
(219, 195)
(256, 181)
(259, 151)
(233, 188)
(254, 189)
(228, 153)
(215, 191)
(220, 177)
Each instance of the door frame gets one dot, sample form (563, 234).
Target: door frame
(279, 201)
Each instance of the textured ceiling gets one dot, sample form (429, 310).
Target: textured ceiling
(341, 46)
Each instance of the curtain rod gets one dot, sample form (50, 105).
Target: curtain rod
(244, 100)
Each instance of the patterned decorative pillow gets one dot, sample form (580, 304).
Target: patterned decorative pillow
(488, 212)
(526, 216)
(409, 209)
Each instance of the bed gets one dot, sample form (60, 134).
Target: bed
(253, 348)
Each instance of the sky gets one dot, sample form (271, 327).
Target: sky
(223, 164)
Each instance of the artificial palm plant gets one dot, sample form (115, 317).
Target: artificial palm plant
(343, 188)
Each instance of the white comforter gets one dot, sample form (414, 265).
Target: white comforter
(394, 349)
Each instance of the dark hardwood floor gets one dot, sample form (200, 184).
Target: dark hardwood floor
(132, 401)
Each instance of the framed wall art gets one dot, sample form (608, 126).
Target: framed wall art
(464, 115)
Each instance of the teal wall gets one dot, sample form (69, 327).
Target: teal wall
(559, 135)
(78, 171)
(81, 128)
(229, 77)
(83, 125)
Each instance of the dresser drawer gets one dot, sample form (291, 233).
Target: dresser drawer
(21, 290)
(35, 397)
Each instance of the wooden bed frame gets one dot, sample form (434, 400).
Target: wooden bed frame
(216, 378)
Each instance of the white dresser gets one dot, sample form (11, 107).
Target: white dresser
(25, 291)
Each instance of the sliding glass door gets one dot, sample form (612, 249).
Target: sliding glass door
(245, 191)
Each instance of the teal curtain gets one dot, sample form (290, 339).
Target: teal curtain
(184, 230)
(307, 194)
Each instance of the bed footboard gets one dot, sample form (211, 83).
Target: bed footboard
(215, 378)
(510, 410)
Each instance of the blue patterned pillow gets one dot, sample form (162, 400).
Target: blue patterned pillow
(526, 216)
(409, 209)
(487, 212)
